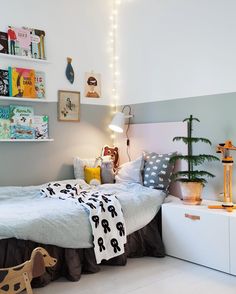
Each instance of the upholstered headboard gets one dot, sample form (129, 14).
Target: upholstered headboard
(156, 137)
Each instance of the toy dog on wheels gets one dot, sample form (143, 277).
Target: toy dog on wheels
(15, 279)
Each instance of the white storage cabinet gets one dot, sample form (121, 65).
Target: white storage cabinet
(200, 235)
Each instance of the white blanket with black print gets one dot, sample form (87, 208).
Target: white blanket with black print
(105, 215)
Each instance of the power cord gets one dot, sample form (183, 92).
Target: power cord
(127, 130)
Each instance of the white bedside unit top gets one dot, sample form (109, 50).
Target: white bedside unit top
(176, 202)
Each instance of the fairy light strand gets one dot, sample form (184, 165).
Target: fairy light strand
(114, 55)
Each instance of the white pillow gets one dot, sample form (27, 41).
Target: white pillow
(130, 172)
(79, 165)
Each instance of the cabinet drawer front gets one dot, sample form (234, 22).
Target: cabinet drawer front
(196, 235)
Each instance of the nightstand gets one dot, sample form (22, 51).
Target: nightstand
(200, 235)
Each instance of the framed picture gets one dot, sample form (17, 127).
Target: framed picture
(92, 85)
(68, 106)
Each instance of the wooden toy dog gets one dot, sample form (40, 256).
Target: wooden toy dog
(15, 279)
(227, 160)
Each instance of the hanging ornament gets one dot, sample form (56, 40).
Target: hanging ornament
(69, 71)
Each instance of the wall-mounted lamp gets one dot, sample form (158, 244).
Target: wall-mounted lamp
(118, 121)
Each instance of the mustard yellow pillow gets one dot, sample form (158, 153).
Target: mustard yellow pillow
(92, 175)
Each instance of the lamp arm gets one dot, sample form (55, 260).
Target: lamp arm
(127, 106)
(130, 115)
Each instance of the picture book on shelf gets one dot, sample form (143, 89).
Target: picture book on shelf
(37, 43)
(21, 82)
(4, 122)
(3, 43)
(41, 126)
(19, 41)
(40, 84)
(4, 83)
(21, 122)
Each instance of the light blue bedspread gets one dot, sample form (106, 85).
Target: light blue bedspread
(25, 215)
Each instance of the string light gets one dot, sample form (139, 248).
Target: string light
(113, 50)
(114, 58)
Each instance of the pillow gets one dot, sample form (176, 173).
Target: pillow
(92, 175)
(79, 166)
(130, 172)
(158, 170)
(107, 173)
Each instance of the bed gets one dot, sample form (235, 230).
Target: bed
(28, 220)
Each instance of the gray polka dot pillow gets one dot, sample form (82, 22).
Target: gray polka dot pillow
(158, 170)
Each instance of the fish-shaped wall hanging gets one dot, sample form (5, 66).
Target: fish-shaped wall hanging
(69, 71)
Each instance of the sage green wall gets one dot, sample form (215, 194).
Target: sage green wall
(35, 163)
(217, 114)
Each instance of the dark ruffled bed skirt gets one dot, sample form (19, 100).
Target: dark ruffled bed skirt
(71, 263)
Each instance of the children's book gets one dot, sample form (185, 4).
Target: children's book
(4, 122)
(40, 84)
(3, 43)
(4, 83)
(41, 126)
(21, 122)
(37, 43)
(22, 82)
(19, 41)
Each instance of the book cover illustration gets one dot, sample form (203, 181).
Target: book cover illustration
(22, 82)
(40, 84)
(41, 126)
(21, 122)
(3, 43)
(4, 83)
(4, 122)
(19, 41)
(37, 43)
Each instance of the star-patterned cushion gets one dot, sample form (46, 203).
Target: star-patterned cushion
(158, 170)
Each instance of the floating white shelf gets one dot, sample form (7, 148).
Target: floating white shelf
(24, 58)
(7, 98)
(26, 140)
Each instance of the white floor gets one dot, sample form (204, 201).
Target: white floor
(148, 275)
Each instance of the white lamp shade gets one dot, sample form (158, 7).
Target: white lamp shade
(118, 122)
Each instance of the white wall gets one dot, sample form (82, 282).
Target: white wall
(75, 28)
(176, 48)
(168, 48)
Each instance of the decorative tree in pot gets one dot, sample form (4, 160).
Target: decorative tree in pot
(192, 180)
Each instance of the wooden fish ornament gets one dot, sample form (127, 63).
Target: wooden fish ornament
(69, 71)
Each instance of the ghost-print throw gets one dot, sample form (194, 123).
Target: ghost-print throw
(107, 222)
(60, 190)
(105, 216)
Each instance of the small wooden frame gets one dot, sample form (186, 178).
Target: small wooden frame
(68, 106)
